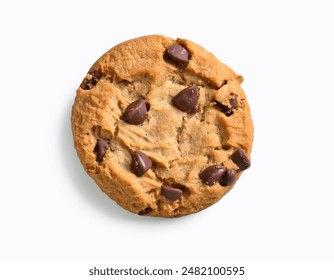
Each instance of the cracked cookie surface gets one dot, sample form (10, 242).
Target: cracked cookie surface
(162, 126)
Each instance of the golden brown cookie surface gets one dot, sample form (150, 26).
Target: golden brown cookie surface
(162, 126)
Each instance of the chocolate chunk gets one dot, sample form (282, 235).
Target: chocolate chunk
(177, 54)
(240, 159)
(101, 149)
(171, 193)
(224, 82)
(140, 163)
(233, 100)
(186, 100)
(212, 174)
(89, 83)
(136, 112)
(145, 211)
(229, 177)
(223, 108)
(228, 110)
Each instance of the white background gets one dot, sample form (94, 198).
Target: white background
(281, 208)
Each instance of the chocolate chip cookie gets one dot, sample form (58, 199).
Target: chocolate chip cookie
(162, 126)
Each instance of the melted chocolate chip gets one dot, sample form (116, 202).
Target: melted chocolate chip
(240, 159)
(228, 178)
(177, 54)
(101, 149)
(145, 211)
(187, 99)
(140, 163)
(171, 193)
(212, 174)
(136, 112)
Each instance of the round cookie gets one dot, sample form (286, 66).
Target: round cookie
(162, 126)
